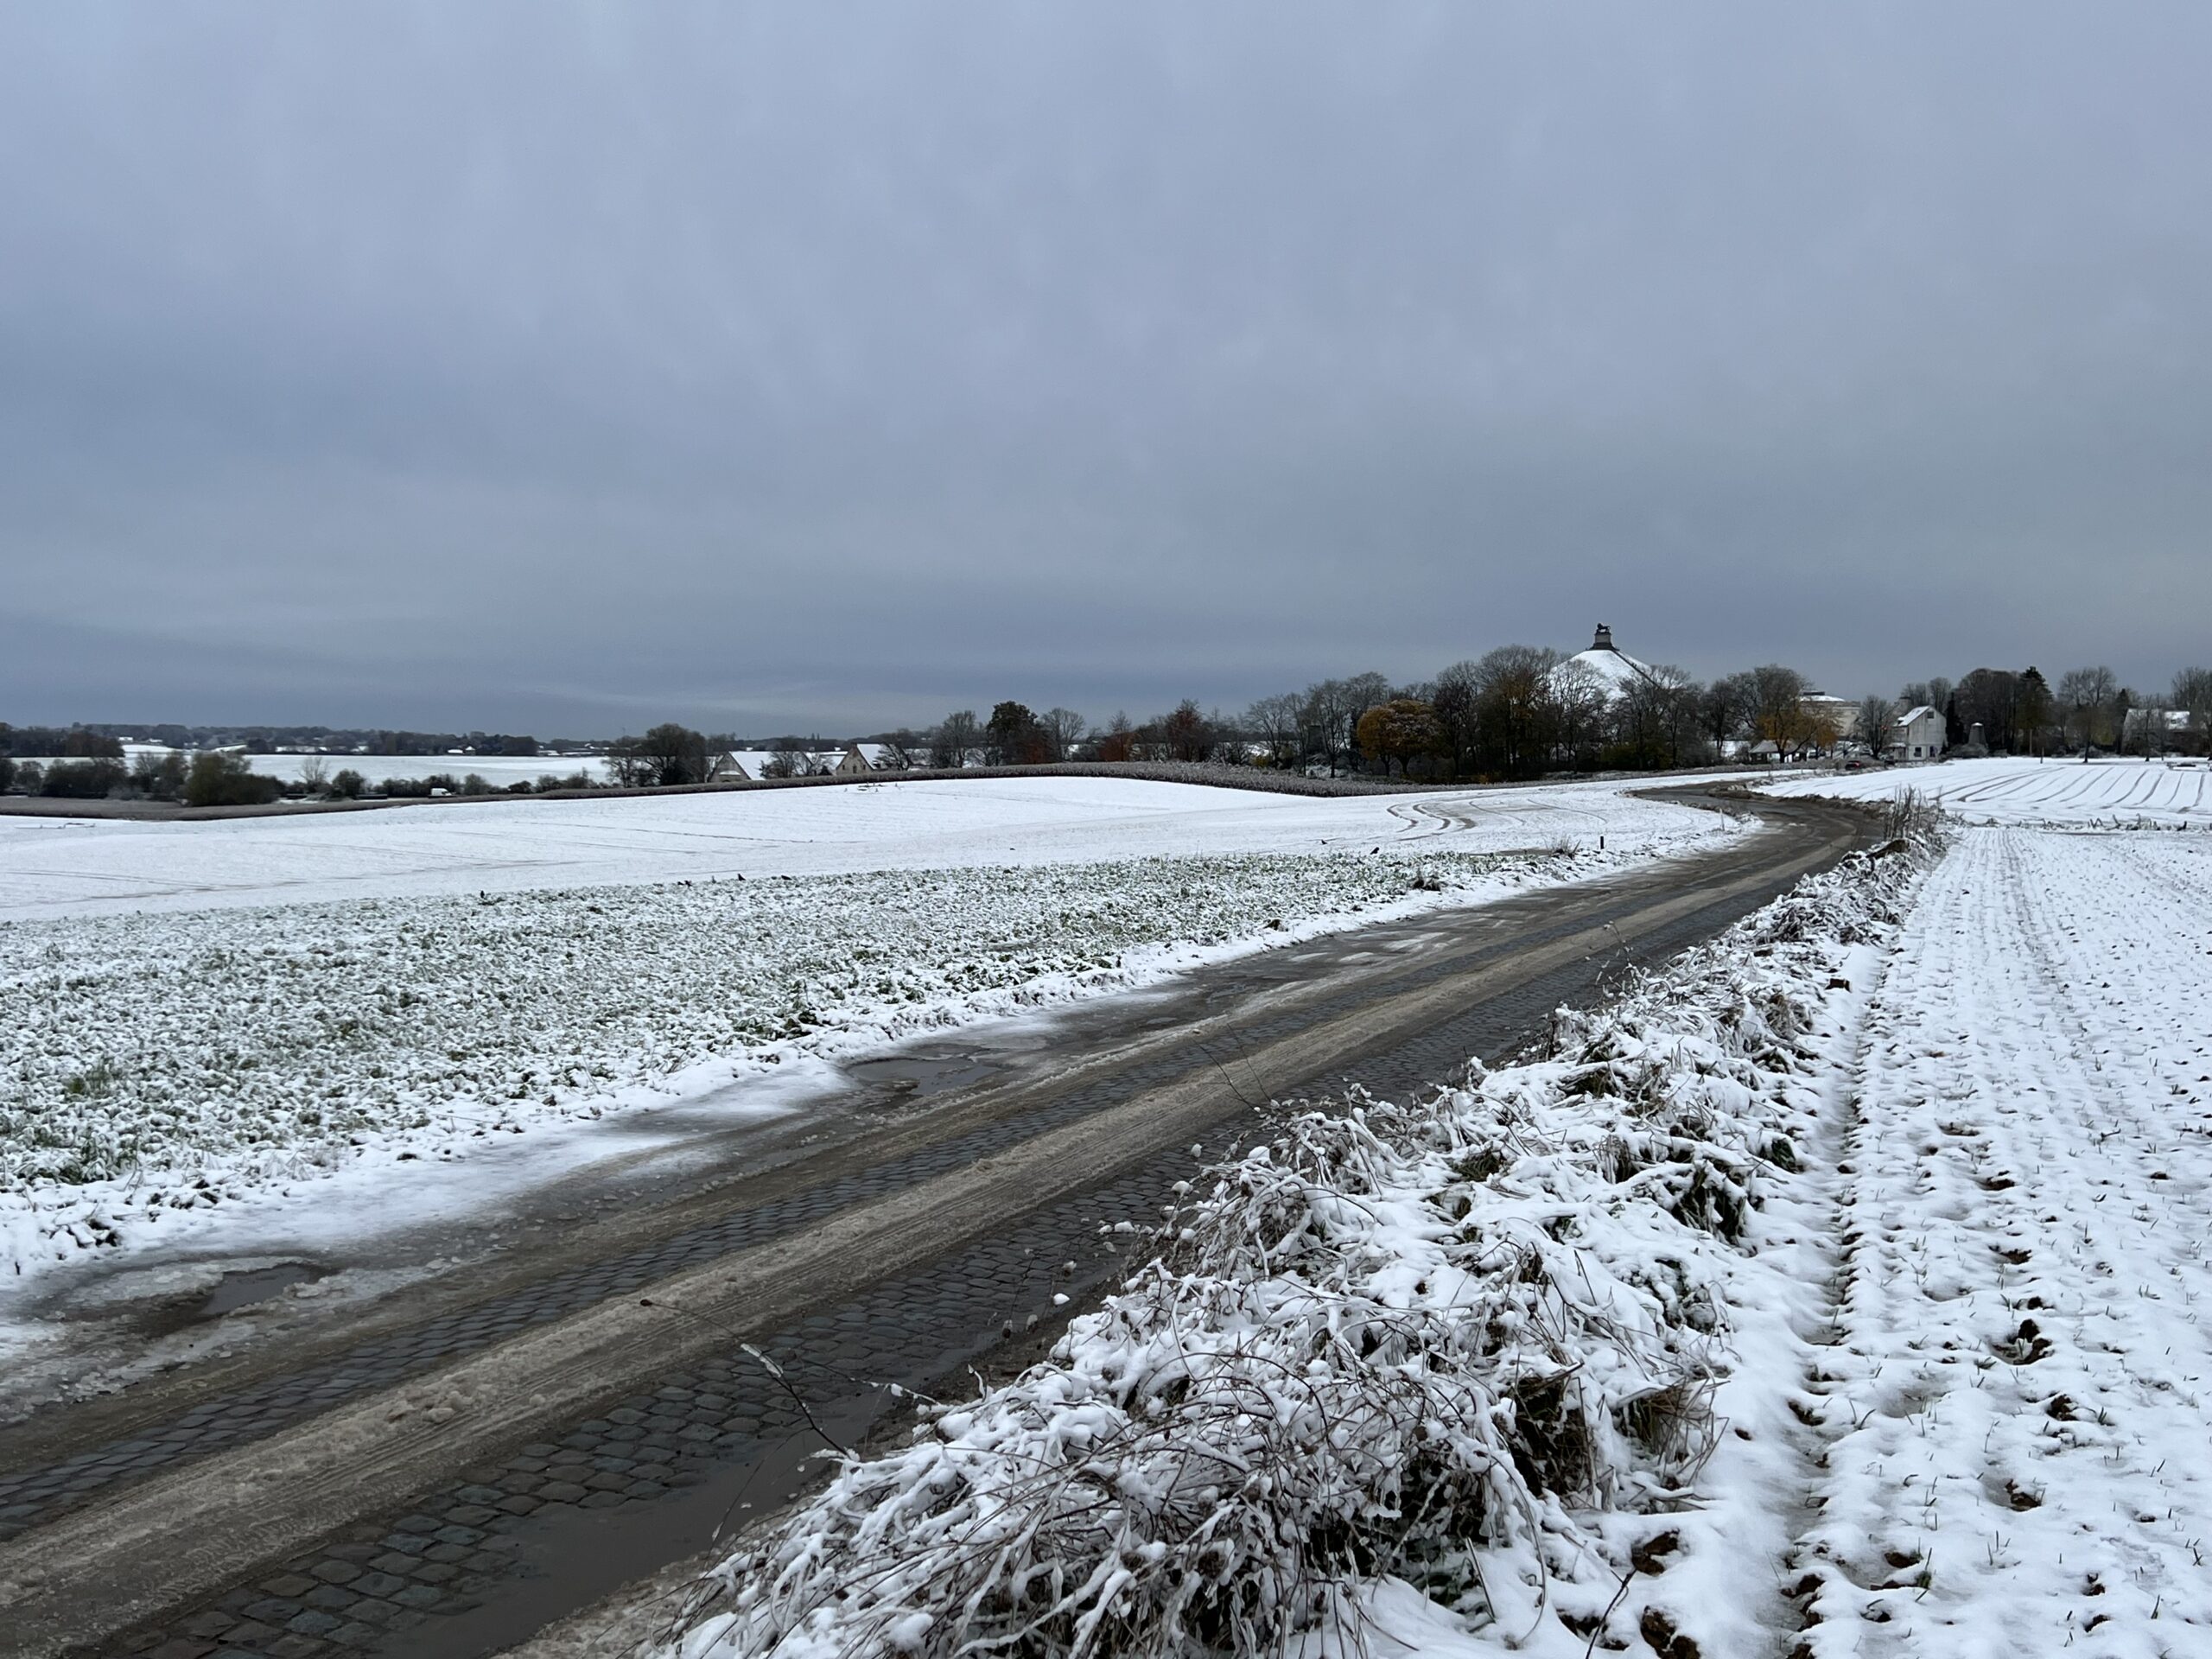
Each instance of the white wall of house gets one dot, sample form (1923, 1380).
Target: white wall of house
(1917, 735)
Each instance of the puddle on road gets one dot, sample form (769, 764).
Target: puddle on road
(237, 1290)
(924, 1074)
(572, 1561)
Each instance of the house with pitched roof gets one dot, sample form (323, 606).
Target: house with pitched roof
(1916, 734)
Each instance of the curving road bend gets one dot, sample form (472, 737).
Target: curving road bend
(448, 1469)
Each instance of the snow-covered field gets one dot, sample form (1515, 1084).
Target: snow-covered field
(55, 867)
(498, 770)
(2007, 789)
(161, 1063)
(1841, 1293)
(2016, 1409)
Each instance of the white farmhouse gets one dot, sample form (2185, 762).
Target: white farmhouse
(853, 760)
(1916, 734)
(871, 757)
(741, 766)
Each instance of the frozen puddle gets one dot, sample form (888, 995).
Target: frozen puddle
(170, 1297)
(924, 1074)
(242, 1289)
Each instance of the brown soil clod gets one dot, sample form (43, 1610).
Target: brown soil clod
(1650, 1555)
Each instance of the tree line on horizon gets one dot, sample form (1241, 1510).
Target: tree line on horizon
(2089, 710)
(1517, 712)
(1523, 711)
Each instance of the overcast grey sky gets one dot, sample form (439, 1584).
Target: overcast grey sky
(562, 370)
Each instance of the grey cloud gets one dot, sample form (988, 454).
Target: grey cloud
(511, 366)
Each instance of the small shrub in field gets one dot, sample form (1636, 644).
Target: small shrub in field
(159, 776)
(83, 780)
(227, 781)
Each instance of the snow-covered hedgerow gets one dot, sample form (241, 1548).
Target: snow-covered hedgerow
(1438, 1342)
(174, 1059)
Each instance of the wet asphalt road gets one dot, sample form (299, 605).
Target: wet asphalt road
(446, 1471)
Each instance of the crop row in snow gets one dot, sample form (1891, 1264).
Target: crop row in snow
(176, 1058)
(1466, 1343)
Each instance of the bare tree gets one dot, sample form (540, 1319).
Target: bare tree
(1361, 693)
(1326, 718)
(2153, 726)
(1064, 730)
(1934, 693)
(2087, 698)
(1725, 708)
(1118, 741)
(1455, 697)
(677, 754)
(1876, 715)
(628, 764)
(161, 776)
(1680, 714)
(955, 739)
(1655, 719)
(1274, 721)
(907, 748)
(1581, 700)
(1777, 709)
(1515, 713)
(2193, 691)
(1186, 734)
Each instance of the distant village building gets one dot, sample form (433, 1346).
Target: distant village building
(1916, 734)
(2154, 731)
(740, 765)
(1834, 714)
(853, 760)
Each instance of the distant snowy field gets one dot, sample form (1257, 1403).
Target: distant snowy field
(2009, 789)
(499, 770)
(194, 1014)
(59, 867)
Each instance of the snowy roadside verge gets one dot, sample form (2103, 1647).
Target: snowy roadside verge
(1456, 1374)
(158, 1070)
